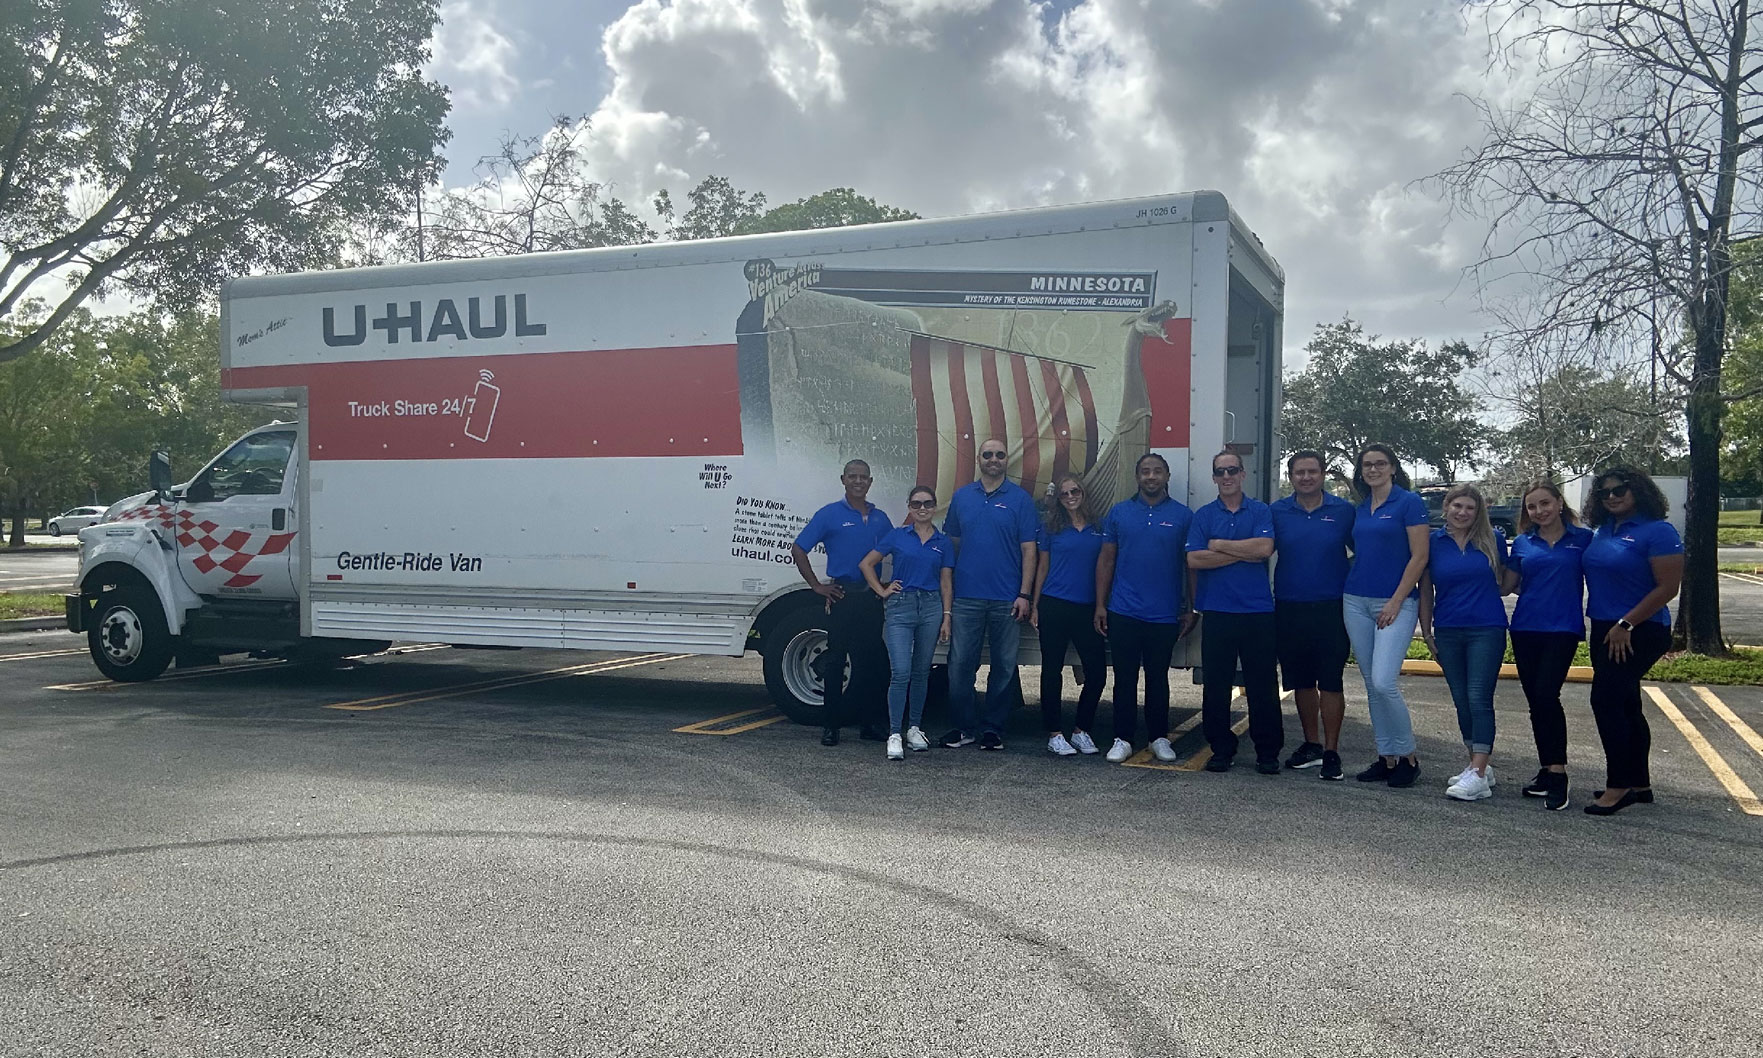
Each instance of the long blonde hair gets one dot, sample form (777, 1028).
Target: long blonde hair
(1481, 531)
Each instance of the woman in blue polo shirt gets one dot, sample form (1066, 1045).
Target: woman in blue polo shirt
(916, 607)
(1380, 604)
(1633, 567)
(1464, 625)
(1064, 605)
(1548, 625)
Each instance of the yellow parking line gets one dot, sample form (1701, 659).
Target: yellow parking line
(1735, 786)
(41, 654)
(1724, 712)
(708, 727)
(1198, 760)
(194, 674)
(591, 669)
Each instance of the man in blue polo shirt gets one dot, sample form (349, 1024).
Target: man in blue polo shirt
(1139, 603)
(994, 526)
(850, 529)
(1229, 543)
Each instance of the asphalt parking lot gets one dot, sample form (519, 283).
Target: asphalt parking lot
(444, 851)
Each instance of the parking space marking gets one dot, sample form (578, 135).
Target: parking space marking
(42, 654)
(1736, 788)
(193, 674)
(1744, 578)
(393, 701)
(1724, 712)
(755, 719)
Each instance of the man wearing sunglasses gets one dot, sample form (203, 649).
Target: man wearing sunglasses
(1229, 543)
(994, 526)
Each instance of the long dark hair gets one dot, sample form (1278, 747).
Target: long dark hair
(1398, 476)
(1058, 518)
(916, 489)
(1648, 500)
(1543, 485)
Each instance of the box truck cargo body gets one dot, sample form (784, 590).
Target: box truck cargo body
(613, 449)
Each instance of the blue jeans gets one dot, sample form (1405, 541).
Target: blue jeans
(977, 620)
(1380, 652)
(1471, 659)
(910, 623)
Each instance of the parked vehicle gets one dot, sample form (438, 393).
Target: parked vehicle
(72, 521)
(613, 449)
(1504, 516)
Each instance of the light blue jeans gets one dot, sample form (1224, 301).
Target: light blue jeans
(910, 623)
(1380, 652)
(1471, 659)
(977, 620)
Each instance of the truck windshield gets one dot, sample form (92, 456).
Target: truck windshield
(254, 466)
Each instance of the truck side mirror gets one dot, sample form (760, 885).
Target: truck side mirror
(159, 473)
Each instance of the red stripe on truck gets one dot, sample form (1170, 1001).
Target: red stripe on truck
(681, 401)
(1168, 369)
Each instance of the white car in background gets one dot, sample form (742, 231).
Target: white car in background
(76, 519)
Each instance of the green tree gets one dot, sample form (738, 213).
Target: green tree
(44, 408)
(717, 208)
(1576, 417)
(1741, 457)
(1357, 388)
(163, 145)
(837, 208)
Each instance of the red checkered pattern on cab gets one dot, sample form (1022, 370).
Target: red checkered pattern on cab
(232, 552)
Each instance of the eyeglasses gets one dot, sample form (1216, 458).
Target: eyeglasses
(1071, 492)
(994, 455)
(921, 505)
(1375, 464)
(1614, 492)
(1226, 472)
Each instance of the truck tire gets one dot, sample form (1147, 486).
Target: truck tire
(129, 640)
(791, 676)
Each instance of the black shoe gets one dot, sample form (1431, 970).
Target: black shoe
(1596, 809)
(1221, 764)
(1642, 796)
(1271, 767)
(955, 739)
(1308, 755)
(829, 736)
(1378, 772)
(991, 740)
(1404, 773)
(1539, 786)
(871, 733)
(1331, 766)
(1556, 799)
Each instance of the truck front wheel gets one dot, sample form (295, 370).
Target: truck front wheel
(130, 641)
(793, 646)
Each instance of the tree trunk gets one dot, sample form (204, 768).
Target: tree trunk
(1698, 614)
(18, 520)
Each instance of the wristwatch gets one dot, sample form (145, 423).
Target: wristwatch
(1624, 625)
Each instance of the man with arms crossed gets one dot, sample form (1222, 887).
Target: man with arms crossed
(1139, 591)
(849, 528)
(1229, 545)
(994, 526)
(1312, 532)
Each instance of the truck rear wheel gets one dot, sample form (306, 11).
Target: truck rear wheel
(130, 641)
(793, 646)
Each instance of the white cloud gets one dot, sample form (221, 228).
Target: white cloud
(474, 57)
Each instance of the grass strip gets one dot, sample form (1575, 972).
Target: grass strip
(30, 604)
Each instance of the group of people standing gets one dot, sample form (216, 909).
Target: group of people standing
(1130, 583)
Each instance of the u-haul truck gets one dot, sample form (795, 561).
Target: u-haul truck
(613, 449)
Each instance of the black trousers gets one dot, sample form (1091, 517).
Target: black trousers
(1543, 660)
(1225, 640)
(854, 630)
(1616, 701)
(1070, 624)
(1137, 645)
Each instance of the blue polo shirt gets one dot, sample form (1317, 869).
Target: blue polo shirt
(1150, 564)
(1312, 549)
(1240, 587)
(1551, 584)
(918, 564)
(1466, 594)
(1619, 567)
(848, 535)
(1071, 563)
(991, 529)
(1380, 543)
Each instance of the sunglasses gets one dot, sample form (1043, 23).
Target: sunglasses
(921, 505)
(1613, 492)
(994, 455)
(1226, 472)
(1071, 492)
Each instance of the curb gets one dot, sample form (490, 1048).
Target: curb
(34, 624)
(1576, 674)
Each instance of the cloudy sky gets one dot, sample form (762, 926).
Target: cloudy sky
(1315, 117)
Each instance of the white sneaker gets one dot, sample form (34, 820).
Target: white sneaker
(1059, 747)
(1118, 752)
(1084, 743)
(1162, 750)
(1489, 775)
(896, 748)
(1470, 787)
(915, 740)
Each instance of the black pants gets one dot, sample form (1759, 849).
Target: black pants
(1616, 701)
(1225, 640)
(1139, 645)
(854, 630)
(1543, 660)
(1070, 624)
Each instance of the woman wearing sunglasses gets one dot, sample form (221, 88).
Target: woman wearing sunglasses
(1065, 599)
(1633, 567)
(916, 607)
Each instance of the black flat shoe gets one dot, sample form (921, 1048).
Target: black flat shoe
(1596, 809)
(829, 736)
(1641, 796)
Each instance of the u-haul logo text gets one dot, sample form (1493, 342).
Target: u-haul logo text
(443, 321)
